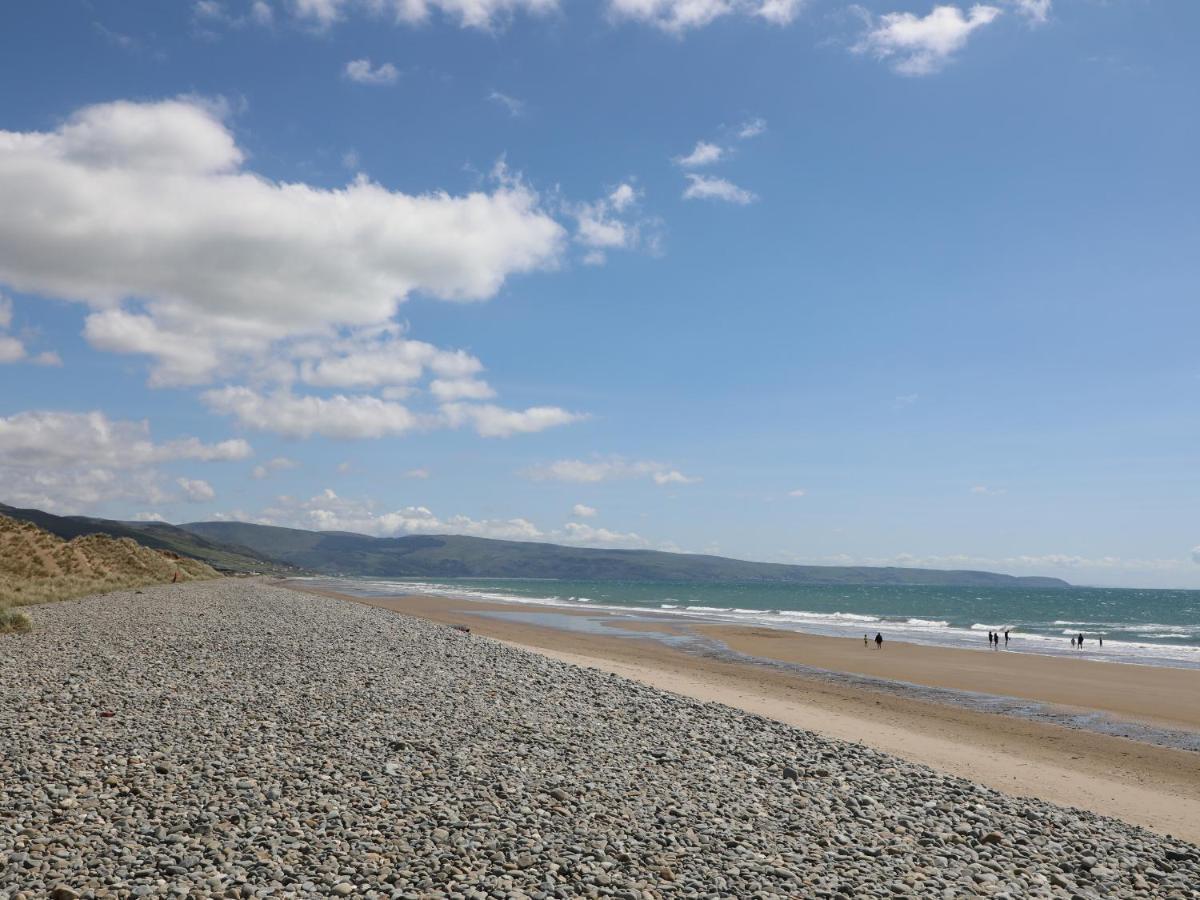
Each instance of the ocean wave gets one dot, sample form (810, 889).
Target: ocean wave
(932, 623)
(978, 627)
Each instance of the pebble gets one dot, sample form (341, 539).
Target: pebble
(270, 743)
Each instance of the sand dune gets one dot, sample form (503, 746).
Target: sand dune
(37, 567)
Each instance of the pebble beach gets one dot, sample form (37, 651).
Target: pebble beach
(237, 739)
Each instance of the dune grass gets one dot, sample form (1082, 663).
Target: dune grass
(37, 567)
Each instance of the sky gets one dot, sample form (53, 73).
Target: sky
(894, 283)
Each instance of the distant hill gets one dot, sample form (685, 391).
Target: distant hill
(155, 535)
(450, 556)
(245, 547)
(37, 566)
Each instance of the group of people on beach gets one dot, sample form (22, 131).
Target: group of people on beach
(994, 639)
(1077, 642)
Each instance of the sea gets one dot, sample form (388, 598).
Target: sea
(1146, 627)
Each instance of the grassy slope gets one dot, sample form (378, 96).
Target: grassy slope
(455, 555)
(157, 535)
(37, 566)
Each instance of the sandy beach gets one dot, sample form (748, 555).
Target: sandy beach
(1154, 786)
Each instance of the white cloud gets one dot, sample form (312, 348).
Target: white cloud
(328, 511)
(706, 187)
(1036, 11)
(798, 492)
(361, 71)
(292, 415)
(64, 461)
(679, 16)
(224, 262)
(148, 517)
(985, 490)
(513, 106)
(582, 533)
(1196, 554)
(583, 472)
(583, 511)
(460, 389)
(612, 222)
(278, 464)
(495, 421)
(196, 490)
(673, 476)
(420, 473)
(261, 13)
(11, 349)
(921, 46)
(903, 400)
(622, 197)
(751, 128)
(483, 14)
(703, 154)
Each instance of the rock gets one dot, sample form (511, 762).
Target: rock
(790, 774)
(992, 837)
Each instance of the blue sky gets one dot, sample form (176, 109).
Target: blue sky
(896, 283)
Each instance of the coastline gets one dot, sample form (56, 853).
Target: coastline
(1153, 786)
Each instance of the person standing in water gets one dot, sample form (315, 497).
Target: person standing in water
(1072, 642)
(878, 641)
(1080, 639)
(1005, 637)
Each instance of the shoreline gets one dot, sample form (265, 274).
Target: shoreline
(1153, 786)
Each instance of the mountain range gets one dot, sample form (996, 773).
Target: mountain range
(243, 547)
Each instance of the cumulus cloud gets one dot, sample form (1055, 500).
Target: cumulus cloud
(361, 71)
(583, 511)
(186, 257)
(64, 461)
(613, 222)
(582, 533)
(922, 45)
(292, 415)
(798, 492)
(482, 14)
(222, 261)
(278, 464)
(679, 16)
(327, 511)
(489, 420)
(448, 390)
(591, 472)
(985, 490)
(708, 187)
(196, 490)
(703, 154)
(751, 128)
(11, 349)
(420, 472)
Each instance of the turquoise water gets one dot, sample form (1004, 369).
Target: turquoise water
(1142, 626)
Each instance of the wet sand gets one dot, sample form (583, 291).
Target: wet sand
(1154, 786)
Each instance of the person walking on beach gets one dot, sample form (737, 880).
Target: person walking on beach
(878, 641)
(866, 641)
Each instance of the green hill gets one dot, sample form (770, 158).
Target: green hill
(449, 556)
(221, 555)
(244, 547)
